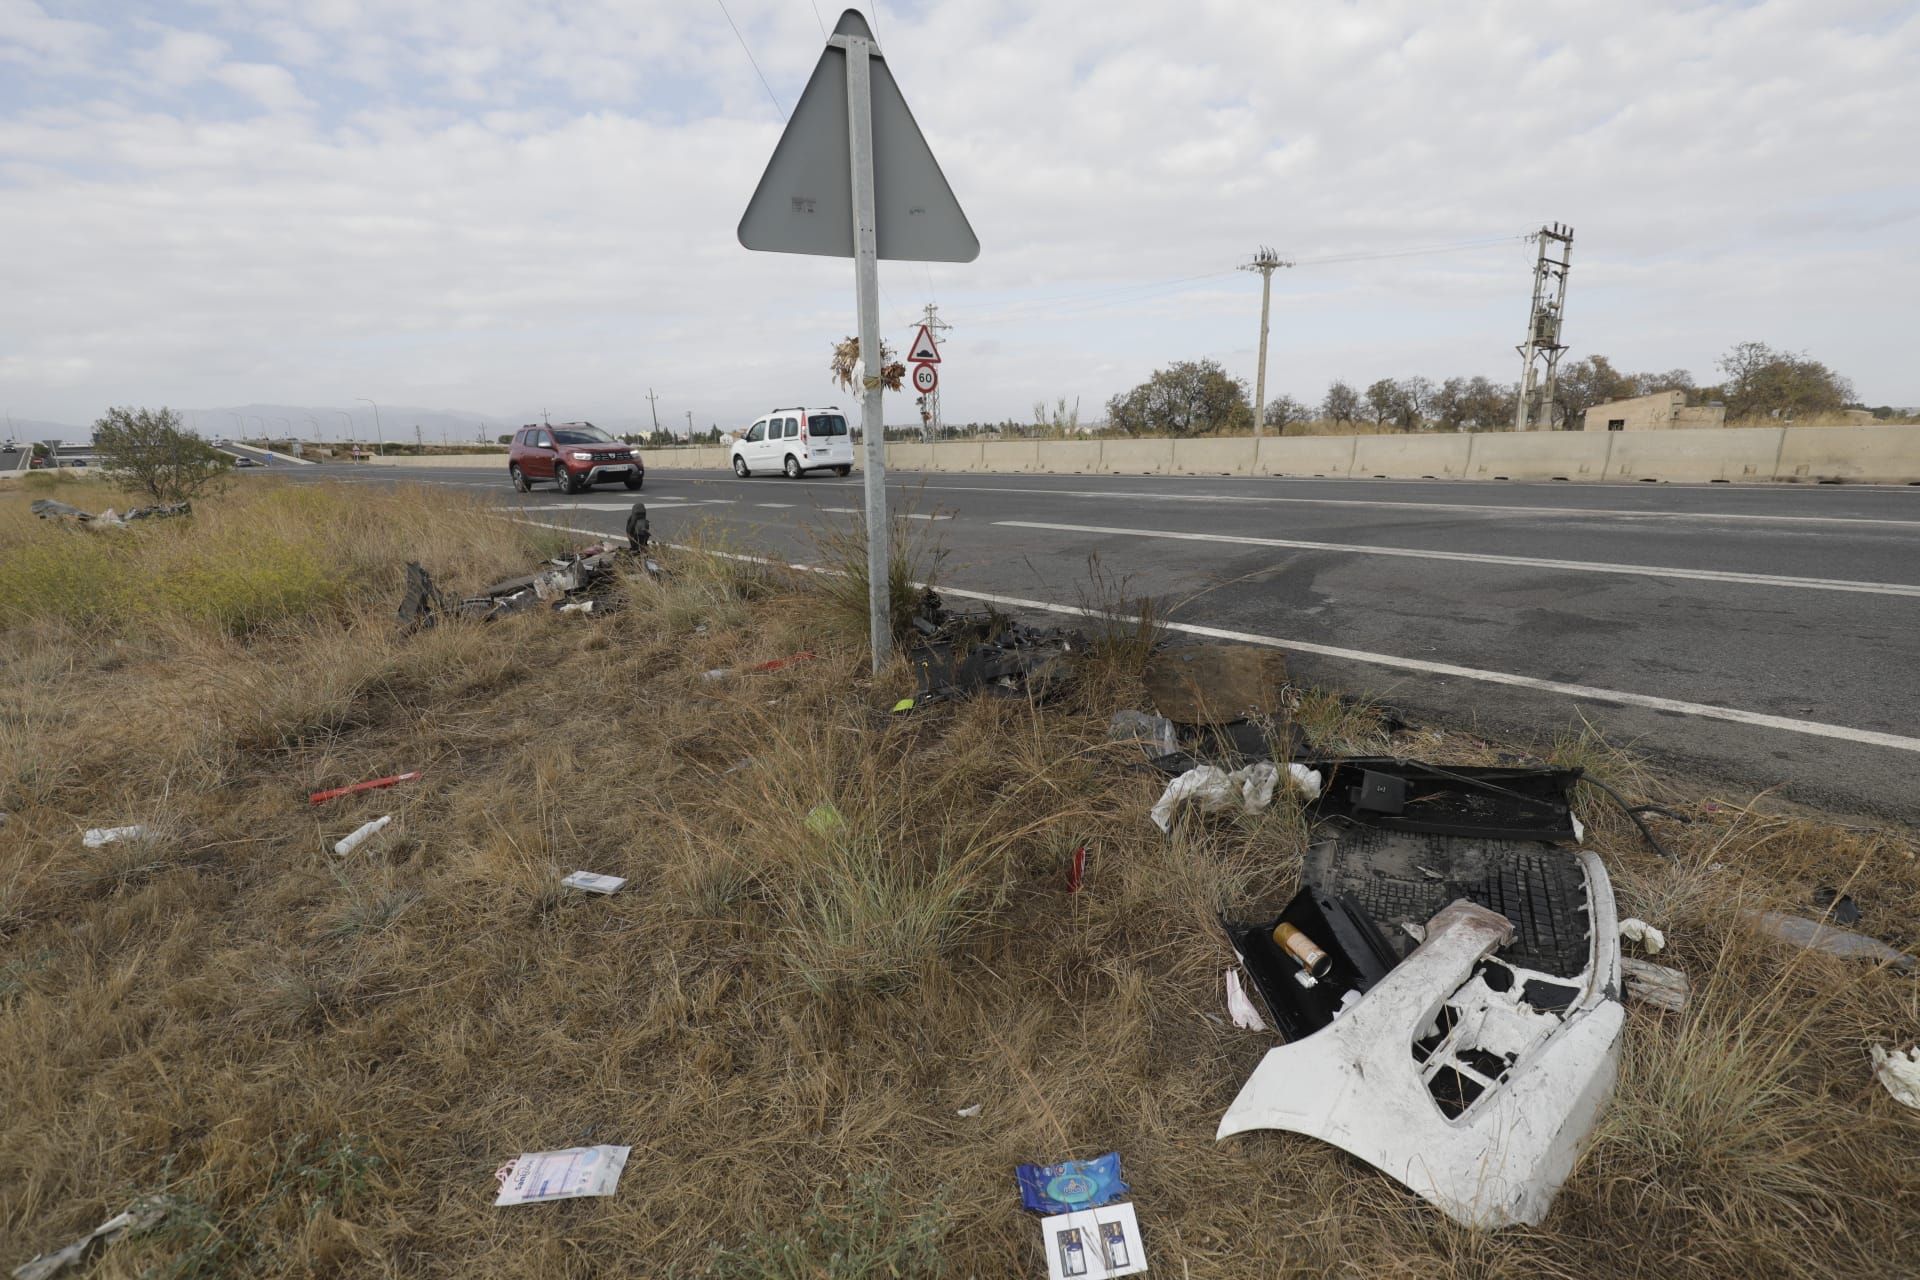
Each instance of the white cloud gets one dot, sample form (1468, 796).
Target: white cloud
(31, 37)
(523, 207)
(182, 57)
(271, 86)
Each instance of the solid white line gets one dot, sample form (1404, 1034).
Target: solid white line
(775, 505)
(1465, 557)
(1477, 508)
(1584, 692)
(1589, 693)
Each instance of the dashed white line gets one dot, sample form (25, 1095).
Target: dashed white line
(776, 506)
(1467, 557)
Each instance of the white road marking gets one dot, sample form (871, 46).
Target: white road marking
(904, 515)
(1588, 693)
(1475, 508)
(1518, 562)
(597, 506)
(781, 506)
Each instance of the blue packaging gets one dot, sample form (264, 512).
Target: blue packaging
(1071, 1185)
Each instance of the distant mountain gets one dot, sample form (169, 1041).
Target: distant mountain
(23, 430)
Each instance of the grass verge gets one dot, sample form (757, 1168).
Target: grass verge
(322, 1061)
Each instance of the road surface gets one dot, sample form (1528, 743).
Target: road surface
(1758, 636)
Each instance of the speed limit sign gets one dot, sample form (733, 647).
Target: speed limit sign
(925, 378)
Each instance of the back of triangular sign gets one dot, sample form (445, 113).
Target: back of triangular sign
(804, 203)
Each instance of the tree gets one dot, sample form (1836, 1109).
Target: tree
(1342, 404)
(1284, 411)
(1185, 398)
(1486, 404)
(1412, 396)
(506, 439)
(1586, 383)
(1383, 398)
(1763, 382)
(153, 453)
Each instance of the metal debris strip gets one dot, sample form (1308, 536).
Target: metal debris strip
(1831, 939)
(142, 1215)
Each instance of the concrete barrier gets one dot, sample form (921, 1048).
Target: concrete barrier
(1213, 456)
(1875, 455)
(431, 460)
(1537, 455)
(1305, 455)
(1016, 457)
(1136, 457)
(1069, 457)
(1694, 454)
(1410, 457)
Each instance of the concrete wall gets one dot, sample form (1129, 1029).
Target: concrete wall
(1886, 455)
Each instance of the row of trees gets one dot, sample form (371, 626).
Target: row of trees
(1198, 397)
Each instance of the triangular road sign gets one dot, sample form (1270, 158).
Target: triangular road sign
(924, 352)
(804, 203)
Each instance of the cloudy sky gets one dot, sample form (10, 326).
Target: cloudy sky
(499, 206)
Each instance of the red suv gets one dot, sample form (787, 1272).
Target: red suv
(574, 455)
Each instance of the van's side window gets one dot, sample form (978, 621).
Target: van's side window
(793, 427)
(758, 433)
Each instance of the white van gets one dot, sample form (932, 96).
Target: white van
(794, 442)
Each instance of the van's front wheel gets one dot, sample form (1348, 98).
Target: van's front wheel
(740, 467)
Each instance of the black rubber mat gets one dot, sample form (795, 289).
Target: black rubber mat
(1400, 878)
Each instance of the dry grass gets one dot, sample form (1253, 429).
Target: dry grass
(324, 1060)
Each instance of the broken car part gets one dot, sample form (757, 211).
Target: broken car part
(956, 656)
(1655, 985)
(1473, 1082)
(1461, 800)
(376, 784)
(1358, 957)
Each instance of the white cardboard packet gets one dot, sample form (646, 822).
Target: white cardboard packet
(562, 1175)
(590, 882)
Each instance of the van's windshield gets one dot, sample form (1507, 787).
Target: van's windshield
(580, 435)
(826, 424)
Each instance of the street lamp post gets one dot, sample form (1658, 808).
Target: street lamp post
(379, 434)
(350, 431)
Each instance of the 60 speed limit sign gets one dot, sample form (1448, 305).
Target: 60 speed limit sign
(925, 378)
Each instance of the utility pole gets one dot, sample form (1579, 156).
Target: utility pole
(930, 402)
(418, 443)
(689, 424)
(1266, 262)
(653, 407)
(379, 432)
(1540, 353)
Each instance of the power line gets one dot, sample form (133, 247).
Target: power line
(749, 52)
(816, 19)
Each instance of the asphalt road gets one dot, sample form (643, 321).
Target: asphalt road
(1759, 637)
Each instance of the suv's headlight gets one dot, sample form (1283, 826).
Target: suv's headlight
(634, 452)
(581, 457)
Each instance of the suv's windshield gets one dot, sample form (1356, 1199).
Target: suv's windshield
(826, 424)
(580, 435)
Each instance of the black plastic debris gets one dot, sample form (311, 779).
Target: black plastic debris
(1836, 906)
(1357, 955)
(960, 655)
(1463, 800)
(49, 509)
(1403, 879)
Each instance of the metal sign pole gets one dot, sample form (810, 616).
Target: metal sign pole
(866, 268)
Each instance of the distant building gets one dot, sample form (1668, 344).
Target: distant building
(1661, 411)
